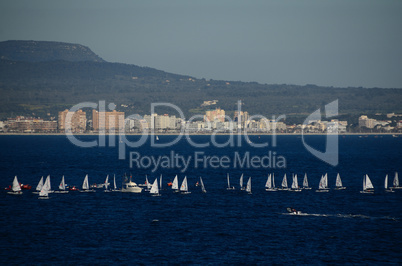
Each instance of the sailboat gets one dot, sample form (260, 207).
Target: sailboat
(48, 184)
(107, 184)
(229, 187)
(386, 185)
(157, 138)
(149, 186)
(202, 186)
(46, 189)
(175, 184)
(85, 185)
(295, 184)
(62, 186)
(184, 186)
(284, 185)
(396, 182)
(338, 183)
(44, 192)
(248, 188)
(323, 186)
(268, 184)
(39, 186)
(305, 182)
(154, 189)
(16, 188)
(367, 185)
(114, 184)
(241, 182)
(160, 183)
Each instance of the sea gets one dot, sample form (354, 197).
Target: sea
(218, 227)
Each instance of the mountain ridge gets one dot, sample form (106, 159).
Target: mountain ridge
(46, 86)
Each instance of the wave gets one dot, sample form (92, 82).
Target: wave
(344, 216)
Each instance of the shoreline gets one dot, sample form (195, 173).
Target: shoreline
(202, 134)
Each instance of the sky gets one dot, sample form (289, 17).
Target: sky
(340, 43)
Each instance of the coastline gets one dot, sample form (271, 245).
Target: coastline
(204, 134)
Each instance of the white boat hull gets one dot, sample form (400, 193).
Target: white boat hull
(14, 192)
(296, 213)
(132, 190)
(340, 188)
(367, 192)
(87, 190)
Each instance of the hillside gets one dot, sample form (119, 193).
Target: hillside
(43, 87)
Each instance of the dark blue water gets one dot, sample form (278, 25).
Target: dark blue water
(218, 227)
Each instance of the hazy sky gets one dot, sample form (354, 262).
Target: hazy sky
(331, 43)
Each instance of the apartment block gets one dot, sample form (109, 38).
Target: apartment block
(111, 122)
(31, 125)
(77, 122)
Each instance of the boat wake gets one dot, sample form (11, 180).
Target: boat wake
(343, 216)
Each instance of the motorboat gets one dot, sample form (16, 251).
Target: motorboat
(131, 187)
(293, 211)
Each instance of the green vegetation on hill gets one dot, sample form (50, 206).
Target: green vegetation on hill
(48, 86)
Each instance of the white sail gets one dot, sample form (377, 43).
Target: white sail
(202, 186)
(367, 183)
(396, 180)
(284, 182)
(160, 182)
(44, 192)
(85, 184)
(40, 184)
(386, 182)
(322, 183)
(184, 187)
(295, 184)
(107, 182)
(154, 188)
(16, 185)
(114, 182)
(47, 184)
(268, 184)
(248, 188)
(241, 181)
(175, 184)
(326, 180)
(149, 187)
(305, 181)
(338, 182)
(62, 185)
(229, 187)
(273, 180)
